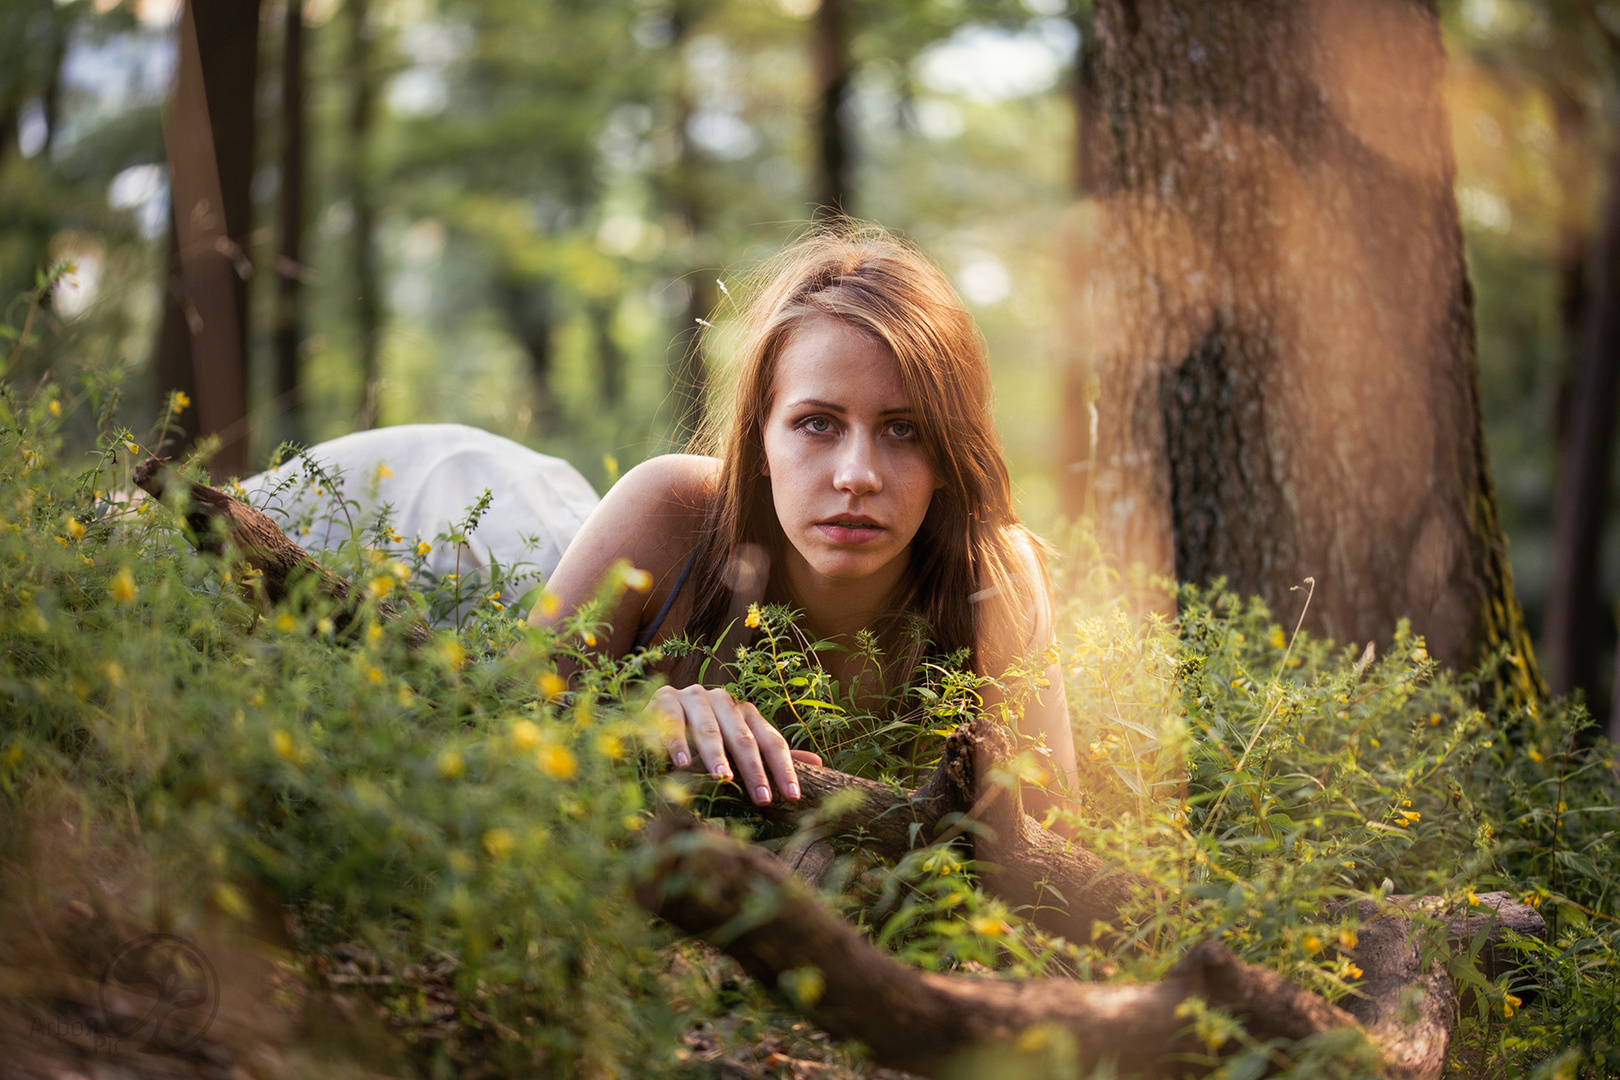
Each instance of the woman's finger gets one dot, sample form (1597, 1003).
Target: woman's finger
(666, 703)
(705, 729)
(805, 757)
(742, 745)
(773, 749)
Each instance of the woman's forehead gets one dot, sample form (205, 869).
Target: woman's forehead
(830, 361)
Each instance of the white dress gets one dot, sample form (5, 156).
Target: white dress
(429, 476)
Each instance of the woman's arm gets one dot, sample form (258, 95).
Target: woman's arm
(652, 518)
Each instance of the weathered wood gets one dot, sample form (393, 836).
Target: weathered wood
(1065, 889)
(747, 902)
(220, 523)
(750, 904)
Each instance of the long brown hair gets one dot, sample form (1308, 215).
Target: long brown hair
(967, 546)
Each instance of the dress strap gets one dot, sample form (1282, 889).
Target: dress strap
(645, 638)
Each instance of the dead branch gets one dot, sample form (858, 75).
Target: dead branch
(750, 904)
(1065, 889)
(218, 522)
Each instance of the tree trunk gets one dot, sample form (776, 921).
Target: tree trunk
(1586, 448)
(289, 401)
(210, 140)
(362, 116)
(1284, 329)
(830, 61)
(531, 311)
(691, 197)
(609, 357)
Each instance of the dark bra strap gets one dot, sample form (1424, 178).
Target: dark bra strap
(645, 638)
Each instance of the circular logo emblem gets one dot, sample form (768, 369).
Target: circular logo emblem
(162, 986)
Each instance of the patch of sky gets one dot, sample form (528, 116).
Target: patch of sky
(144, 190)
(989, 64)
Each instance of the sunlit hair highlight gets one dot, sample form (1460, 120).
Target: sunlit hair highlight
(968, 544)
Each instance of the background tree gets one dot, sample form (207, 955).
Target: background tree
(1284, 330)
(203, 341)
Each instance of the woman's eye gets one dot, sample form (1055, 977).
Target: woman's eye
(904, 429)
(819, 425)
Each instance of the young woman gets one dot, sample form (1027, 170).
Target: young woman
(855, 476)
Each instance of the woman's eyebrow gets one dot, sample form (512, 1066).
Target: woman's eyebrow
(834, 407)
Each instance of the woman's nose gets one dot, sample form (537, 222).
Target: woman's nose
(857, 472)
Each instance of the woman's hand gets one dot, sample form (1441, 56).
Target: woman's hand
(726, 731)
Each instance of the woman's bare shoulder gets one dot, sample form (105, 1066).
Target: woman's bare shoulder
(673, 482)
(1021, 617)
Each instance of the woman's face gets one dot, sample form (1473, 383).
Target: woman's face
(849, 476)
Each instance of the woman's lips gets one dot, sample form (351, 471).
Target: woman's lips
(849, 531)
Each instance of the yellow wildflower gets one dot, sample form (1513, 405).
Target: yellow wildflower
(379, 586)
(374, 674)
(1535, 755)
(282, 743)
(498, 842)
(383, 471)
(323, 625)
(450, 765)
(610, 746)
(132, 447)
(373, 633)
(401, 571)
(180, 402)
(988, 926)
(551, 684)
(1351, 971)
(525, 735)
(557, 762)
(286, 623)
(638, 580)
(590, 639)
(1277, 641)
(1509, 1003)
(122, 586)
(1347, 938)
(423, 548)
(753, 619)
(55, 407)
(1312, 943)
(549, 604)
(75, 528)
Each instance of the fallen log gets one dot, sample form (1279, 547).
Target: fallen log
(750, 904)
(1063, 888)
(746, 902)
(219, 523)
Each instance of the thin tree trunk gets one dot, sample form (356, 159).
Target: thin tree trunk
(689, 374)
(1077, 439)
(289, 262)
(1285, 345)
(1575, 613)
(531, 310)
(835, 142)
(209, 136)
(362, 116)
(1585, 452)
(609, 357)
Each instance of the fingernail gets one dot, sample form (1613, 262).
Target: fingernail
(762, 794)
(793, 792)
(723, 773)
(682, 759)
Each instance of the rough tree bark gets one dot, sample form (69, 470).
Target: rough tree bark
(210, 141)
(1284, 343)
(289, 330)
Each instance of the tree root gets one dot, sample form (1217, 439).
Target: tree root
(219, 523)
